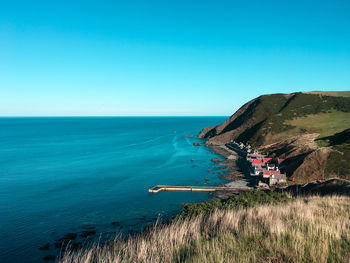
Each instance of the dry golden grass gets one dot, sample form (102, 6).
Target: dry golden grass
(313, 229)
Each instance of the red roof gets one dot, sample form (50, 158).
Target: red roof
(280, 160)
(266, 172)
(267, 159)
(257, 161)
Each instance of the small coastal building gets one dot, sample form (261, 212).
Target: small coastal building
(277, 179)
(258, 162)
(260, 156)
(260, 166)
(258, 171)
(253, 156)
(271, 167)
(267, 173)
(267, 159)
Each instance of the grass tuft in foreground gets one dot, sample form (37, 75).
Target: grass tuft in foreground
(312, 229)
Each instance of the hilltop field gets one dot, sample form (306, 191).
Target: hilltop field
(310, 130)
(251, 227)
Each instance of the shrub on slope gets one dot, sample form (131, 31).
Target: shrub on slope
(236, 201)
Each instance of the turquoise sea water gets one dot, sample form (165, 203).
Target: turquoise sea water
(61, 175)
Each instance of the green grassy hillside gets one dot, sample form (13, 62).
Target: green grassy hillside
(326, 124)
(270, 120)
(301, 113)
(270, 117)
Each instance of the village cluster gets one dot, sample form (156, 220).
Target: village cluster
(264, 167)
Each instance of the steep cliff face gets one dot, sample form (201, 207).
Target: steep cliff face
(236, 124)
(287, 125)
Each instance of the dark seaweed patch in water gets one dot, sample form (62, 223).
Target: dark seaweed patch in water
(87, 233)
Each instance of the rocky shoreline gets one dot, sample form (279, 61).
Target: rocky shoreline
(233, 172)
(234, 168)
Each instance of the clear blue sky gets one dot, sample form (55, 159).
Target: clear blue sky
(166, 57)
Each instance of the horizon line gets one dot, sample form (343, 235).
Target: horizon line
(106, 116)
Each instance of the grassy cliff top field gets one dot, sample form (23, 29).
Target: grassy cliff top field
(331, 93)
(326, 124)
(308, 229)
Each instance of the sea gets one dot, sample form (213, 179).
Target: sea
(89, 176)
